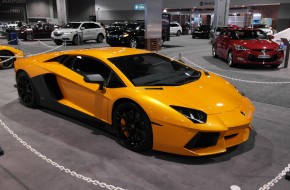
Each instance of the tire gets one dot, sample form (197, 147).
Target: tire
(29, 36)
(230, 59)
(100, 38)
(26, 91)
(6, 64)
(178, 33)
(193, 36)
(214, 52)
(132, 127)
(76, 40)
(133, 43)
(161, 42)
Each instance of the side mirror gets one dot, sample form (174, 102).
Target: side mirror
(95, 78)
(82, 28)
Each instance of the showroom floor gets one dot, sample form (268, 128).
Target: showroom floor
(95, 154)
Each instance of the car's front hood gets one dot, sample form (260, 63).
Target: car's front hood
(209, 94)
(256, 44)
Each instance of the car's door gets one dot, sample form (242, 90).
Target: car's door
(173, 28)
(86, 32)
(95, 30)
(78, 94)
(223, 43)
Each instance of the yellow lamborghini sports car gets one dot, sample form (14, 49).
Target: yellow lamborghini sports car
(148, 100)
(6, 54)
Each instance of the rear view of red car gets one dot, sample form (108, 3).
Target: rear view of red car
(247, 46)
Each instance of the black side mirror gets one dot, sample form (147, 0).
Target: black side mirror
(95, 78)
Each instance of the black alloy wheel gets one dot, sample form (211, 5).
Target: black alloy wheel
(132, 127)
(29, 36)
(6, 62)
(133, 43)
(100, 38)
(26, 91)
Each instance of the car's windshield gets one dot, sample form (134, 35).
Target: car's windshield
(132, 27)
(204, 27)
(72, 25)
(154, 70)
(249, 35)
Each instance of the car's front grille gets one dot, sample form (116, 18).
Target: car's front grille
(253, 58)
(263, 50)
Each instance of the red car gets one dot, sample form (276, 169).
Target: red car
(247, 46)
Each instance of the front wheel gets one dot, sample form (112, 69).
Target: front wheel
(100, 38)
(6, 61)
(26, 90)
(132, 127)
(214, 52)
(76, 40)
(230, 59)
(133, 43)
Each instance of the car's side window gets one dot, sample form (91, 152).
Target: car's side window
(115, 81)
(86, 25)
(93, 25)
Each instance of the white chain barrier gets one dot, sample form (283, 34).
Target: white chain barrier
(58, 166)
(235, 79)
(270, 184)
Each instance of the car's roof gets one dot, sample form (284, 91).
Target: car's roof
(100, 53)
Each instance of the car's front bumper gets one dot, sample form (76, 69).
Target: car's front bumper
(259, 57)
(220, 132)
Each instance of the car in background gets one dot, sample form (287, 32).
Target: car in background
(216, 31)
(263, 27)
(2, 29)
(131, 35)
(175, 29)
(149, 101)
(7, 58)
(37, 31)
(79, 31)
(202, 31)
(247, 46)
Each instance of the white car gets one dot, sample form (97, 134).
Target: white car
(265, 28)
(79, 31)
(175, 29)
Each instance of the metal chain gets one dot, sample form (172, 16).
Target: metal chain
(240, 80)
(270, 184)
(58, 166)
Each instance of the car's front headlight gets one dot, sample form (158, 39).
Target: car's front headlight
(280, 48)
(241, 48)
(124, 35)
(196, 116)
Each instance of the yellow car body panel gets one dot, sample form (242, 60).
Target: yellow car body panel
(228, 112)
(18, 53)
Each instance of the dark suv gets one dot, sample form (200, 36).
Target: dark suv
(132, 35)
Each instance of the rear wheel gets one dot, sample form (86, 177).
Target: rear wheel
(26, 90)
(100, 38)
(178, 33)
(132, 127)
(6, 62)
(230, 59)
(133, 43)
